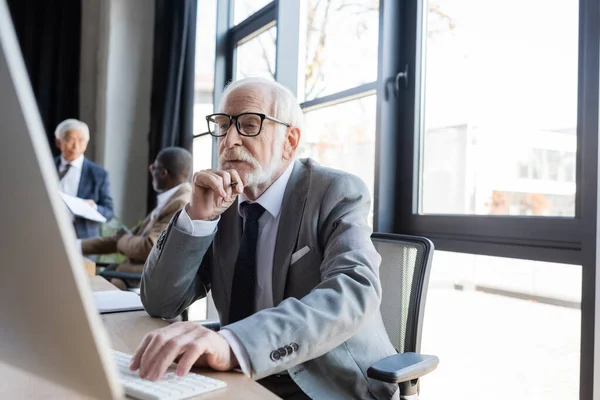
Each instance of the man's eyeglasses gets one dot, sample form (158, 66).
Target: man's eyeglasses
(247, 124)
(153, 168)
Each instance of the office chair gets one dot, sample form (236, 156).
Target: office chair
(404, 274)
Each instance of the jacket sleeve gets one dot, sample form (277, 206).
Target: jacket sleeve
(348, 294)
(137, 247)
(104, 202)
(99, 245)
(182, 260)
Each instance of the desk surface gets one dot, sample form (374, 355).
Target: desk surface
(126, 331)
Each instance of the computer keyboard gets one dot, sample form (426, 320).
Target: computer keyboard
(169, 387)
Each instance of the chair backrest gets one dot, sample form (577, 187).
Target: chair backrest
(404, 274)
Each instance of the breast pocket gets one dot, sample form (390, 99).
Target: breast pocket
(303, 274)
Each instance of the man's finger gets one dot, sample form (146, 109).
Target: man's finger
(137, 356)
(191, 355)
(171, 350)
(207, 179)
(158, 341)
(235, 177)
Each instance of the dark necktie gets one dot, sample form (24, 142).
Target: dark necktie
(243, 288)
(64, 172)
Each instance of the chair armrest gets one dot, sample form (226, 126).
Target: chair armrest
(402, 367)
(212, 325)
(109, 273)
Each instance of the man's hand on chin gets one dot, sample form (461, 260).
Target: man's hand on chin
(186, 343)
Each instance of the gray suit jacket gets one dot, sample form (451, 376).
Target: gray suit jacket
(326, 329)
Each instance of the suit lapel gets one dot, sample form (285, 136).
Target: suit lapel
(84, 181)
(291, 213)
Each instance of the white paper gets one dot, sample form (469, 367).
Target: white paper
(82, 209)
(117, 300)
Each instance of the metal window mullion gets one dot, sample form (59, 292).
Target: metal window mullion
(341, 97)
(287, 62)
(257, 21)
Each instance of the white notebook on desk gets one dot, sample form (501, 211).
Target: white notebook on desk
(116, 301)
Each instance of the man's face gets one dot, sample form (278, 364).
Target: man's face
(159, 175)
(72, 145)
(256, 158)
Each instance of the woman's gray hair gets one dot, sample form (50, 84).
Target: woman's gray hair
(285, 105)
(72, 124)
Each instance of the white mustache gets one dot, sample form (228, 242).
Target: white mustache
(238, 154)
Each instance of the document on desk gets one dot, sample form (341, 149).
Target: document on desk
(82, 209)
(117, 301)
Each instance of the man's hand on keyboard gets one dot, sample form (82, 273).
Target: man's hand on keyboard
(185, 342)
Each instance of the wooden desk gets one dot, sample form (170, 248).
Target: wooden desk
(127, 329)
(90, 266)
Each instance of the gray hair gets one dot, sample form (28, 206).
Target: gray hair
(285, 104)
(72, 124)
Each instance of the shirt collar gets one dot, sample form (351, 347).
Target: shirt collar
(163, 198)
(77, 163)
(272, 198)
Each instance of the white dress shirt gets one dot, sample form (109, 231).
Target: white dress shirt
(162, 199)
(268, 224)
(69, 184)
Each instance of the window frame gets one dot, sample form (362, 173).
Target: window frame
(553, 239)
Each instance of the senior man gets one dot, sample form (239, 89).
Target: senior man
(80, 177)
(285, 247)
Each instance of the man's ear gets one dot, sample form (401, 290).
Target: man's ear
(291, 143)
(57, 142)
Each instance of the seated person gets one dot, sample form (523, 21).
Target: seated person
(285, 247)
(80, 177)
(170, 179)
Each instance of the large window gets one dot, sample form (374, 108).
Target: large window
(255, 56)
(338, 72)
(502, 325)
(339, 42)
(498, 125)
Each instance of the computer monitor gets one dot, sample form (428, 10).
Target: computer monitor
(49, 326)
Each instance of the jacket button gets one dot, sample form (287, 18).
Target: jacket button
(294, 346)
(282, 352)
(275, 355)
(289, 349)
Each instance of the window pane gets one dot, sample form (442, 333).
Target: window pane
(256, 57)
(339, 46)
(205, 63)
(242, 9)
(499, 323)
(499, 114)
(202, 152)
(342, 136)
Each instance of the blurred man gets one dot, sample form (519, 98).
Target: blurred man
(80, 177)
(170, 179)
